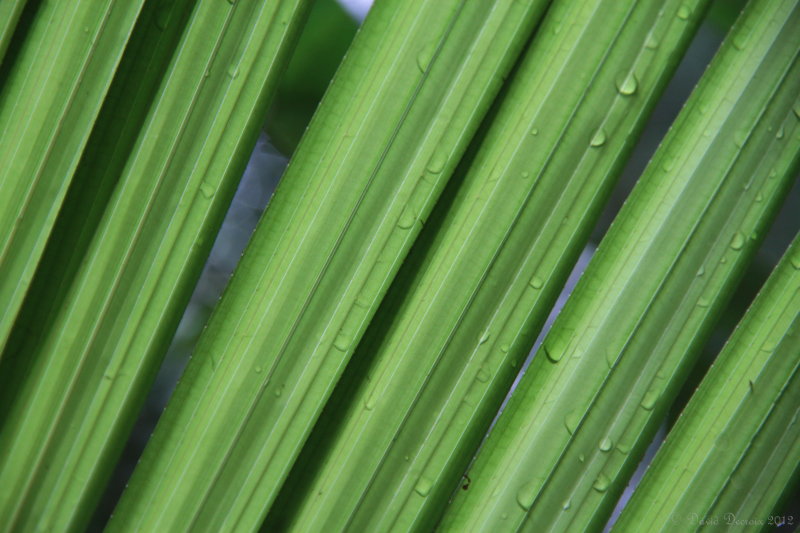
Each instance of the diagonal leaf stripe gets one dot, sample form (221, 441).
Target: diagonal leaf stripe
(48, 105)
(442, 352)
(736, 446)
(417, 80)
(96, 360)
(595, 393)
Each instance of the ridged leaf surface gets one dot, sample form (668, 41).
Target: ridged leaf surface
(401, 109)
(96, 359)
(595, 393)
(48, 104)
(435, 364)
(736, 446)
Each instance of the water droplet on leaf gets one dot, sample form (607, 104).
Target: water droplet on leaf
(425, 55)
(437, 162)
(206, 190)
(599, 138)
(423, 487)
(649, 400)
(407, 218)
(601, 483)
(526, 496)
(571, 421)
(342, 342)
(737, 241)
(628, 85)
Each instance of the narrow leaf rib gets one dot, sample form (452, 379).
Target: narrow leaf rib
(595, 393)
(10, 11)
(736, 446)
(125, 108)
(48, 105)
(439, 357)
(94, 363)
(417, 80)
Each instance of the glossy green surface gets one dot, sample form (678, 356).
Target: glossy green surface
(576, 426)
(736, 447)
(79, 383)
(437, 361)
(48, 104)
(416, 82)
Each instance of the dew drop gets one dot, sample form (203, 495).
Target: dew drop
(553, 353)
(737, 241)
(701, 271)
(484, 337)
(407, 218)
(369, 405)
(606, 445)
(581, 458)
(601, 483)
(599, 138)
(684, 12)
(278, 391)
(652, 42)
(525, 174)
(482, 376)
(739, 41)
(534, 132)
(233, 71)
(257, 370)
(536, 282)
(795, 259)
(566, 505)
(624, 449)
(628, 85)
(437, 162)
(206, 190)
(504, 348)
(526, 495)
(649, 400)
(781, 132)
(611, 357)
(702, 302)
(759, 198)
(423, 487)
(571, 421)
(425, 55)
(342, 342)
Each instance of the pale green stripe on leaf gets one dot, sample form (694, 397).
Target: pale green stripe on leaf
(48, 104)
(10, 11)
(736, 446)
(409, 96)
(439, 357)
(595, 393)
(96, 360)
